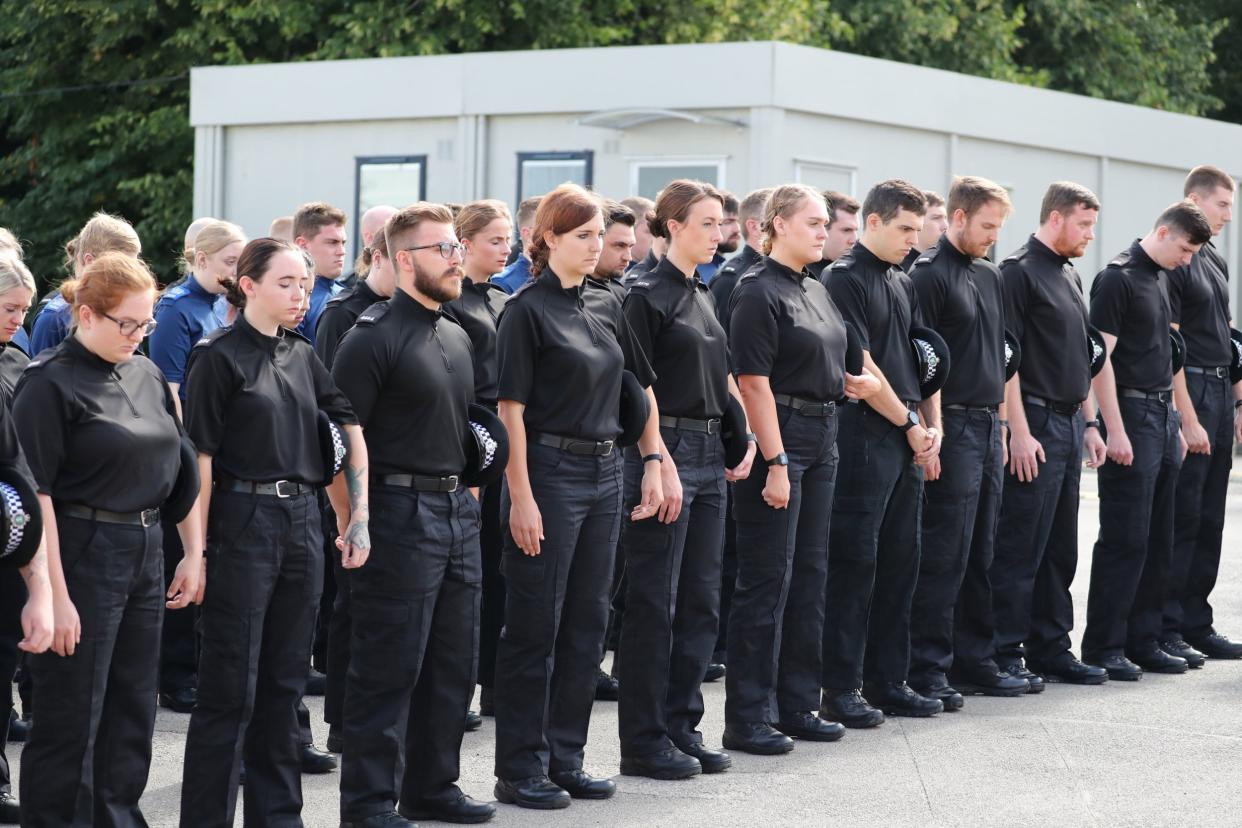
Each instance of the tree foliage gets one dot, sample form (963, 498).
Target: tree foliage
(94, 100)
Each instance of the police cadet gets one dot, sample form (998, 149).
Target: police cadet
(788, 352)
(1036, 551)
(873, 547)
(673, 563)
(842, 230)
(184, 315)
(935, 222)
(484, 228)
(338, 316)
(408, 372)
(104, 233)
(254, 400)
(1130, 306)
(319, 229)
(730, 238)
(1199, 303)
(99, 427)
(960, 298)
(614, 259)
(564, 346)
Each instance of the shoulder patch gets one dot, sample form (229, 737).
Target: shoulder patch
(213, 337)
(373, 314)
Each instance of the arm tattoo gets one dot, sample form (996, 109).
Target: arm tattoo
(353, 482)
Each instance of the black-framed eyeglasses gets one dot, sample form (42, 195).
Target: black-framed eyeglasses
(129, 327)
(446, 249)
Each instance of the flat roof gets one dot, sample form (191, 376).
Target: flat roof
(761, 74)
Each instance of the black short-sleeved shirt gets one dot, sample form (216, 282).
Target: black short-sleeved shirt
(878, 299)
(907, 264)
(253, 404)
(562, 351)
(1199, 303)
(12, 362)
(613, 286)
(95, 433)
(726, 279)
(784, 327)
(408, 372)
(1130, 300)
(1045, 310)
(339, 316)
(960, 298)
(674, 320)
(477, 311)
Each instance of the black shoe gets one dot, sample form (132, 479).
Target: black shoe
(315, 760)
(462, 810)
(537, 792)
(1215, 645)
(181, 700)
(581, 785)
(19, 728)
(899, 699)
(756, 737)
(1065, 668)
(669, 763)
(606, 687)
(389, 819)
(1019, 671)
(473, 721)
(712, 761)
(850, 709)
(1119, 667)
(316, 683)
(810, 727)
(715, 672)
(10, 813)
(487, 702)
(336, 739)
(1177, 647)
(984, 682)
(1155, 660)
(944, 693)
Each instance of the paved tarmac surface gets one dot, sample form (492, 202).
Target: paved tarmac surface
(1166, 751)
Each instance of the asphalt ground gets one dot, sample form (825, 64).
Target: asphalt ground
(1165, 751)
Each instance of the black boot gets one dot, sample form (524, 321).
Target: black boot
(898, 699)
(850, 709)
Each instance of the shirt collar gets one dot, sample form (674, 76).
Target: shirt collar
(669, 271)
(408, 307)
(267, 343)
(192, 285)
(1141, 258)
(85, 355)
(864, 256)
(553, 282)
(1036, 246)
(795, 275)
(947, 246)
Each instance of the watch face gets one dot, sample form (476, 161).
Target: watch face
(914, 417)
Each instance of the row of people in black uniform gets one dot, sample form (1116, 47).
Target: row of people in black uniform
(557, 338)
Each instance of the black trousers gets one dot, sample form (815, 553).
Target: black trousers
(265, 574)
(89, 752)
(1125, 605)
(413, 651)
(12, 600)
(873, 553)
(1037, 545)
(556, 613)
(492, 617)
(179, 639)
(672, 599)
(728, 579)
(951, 617)
(1199, 512)
(776, 623)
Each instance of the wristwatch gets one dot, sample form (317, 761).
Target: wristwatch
(647, 458)
(781, 459)
(1093, 423)
(912, 419)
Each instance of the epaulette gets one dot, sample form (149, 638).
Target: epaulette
(373, 314)
(297, 335)
(339, 298)
(642, 284)
(213, 337)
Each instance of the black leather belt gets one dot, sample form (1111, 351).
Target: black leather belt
(1052, 405)
(1218, 372)
(279, 488)
(146, 518)
(420, 483)
(1139, 394)
(807, 408)
(576, 445)
(982, 409)
(687, 424)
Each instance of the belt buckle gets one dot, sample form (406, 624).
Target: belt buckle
(713, 426)
(1220, 372)
(451, 480)
(282, 492)
(609, 446)
(149, 517)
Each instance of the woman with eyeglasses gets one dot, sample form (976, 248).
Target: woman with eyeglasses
(100, 431)
(254, 394)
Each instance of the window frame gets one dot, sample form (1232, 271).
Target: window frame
(362, 160)
(585, 155)
(720, 162)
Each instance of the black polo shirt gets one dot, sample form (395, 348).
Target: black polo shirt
(817, 269)
(784, 327)
(674, 320)
(1130, 300)
(613, 286)
(907, 264)
(1199, 306)
(878, 299)
(1045, 310)
(477, 311)
(726, 279)
(253, 404)
(562, 351)
(95, 433)
(408, 372)
(339, 316)
(647, 265)
(960, 298)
